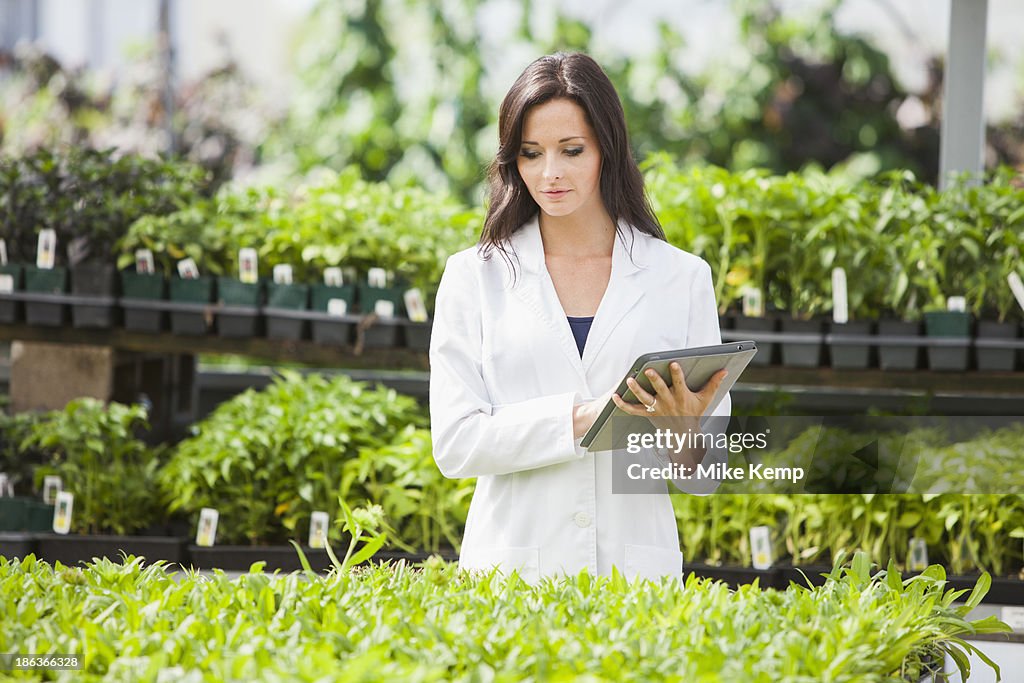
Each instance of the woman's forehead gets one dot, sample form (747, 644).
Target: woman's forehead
(557, 120)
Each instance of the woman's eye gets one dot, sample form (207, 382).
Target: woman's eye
(529, 155)
(574, 151)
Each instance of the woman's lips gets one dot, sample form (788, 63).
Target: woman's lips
(555, 194)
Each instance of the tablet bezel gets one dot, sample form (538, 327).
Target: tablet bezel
(733, 355)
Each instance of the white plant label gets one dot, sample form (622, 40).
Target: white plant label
(377, 277)
(840, 303)
(384, 308)
(52, 485)
(1017, 287)
(753, 307)
(6, 490)
(415, 306)
(3, 252)
(6, 283)
(337, 307)
(248, 265)
(318, 529)
(761, 547)
(282, 274)
(956, 303)
(333, 277)
(46, 249)
(917, 556)
(62, 512)
(187, 269)
(206, 534)
(1013, 615)
(144, 262)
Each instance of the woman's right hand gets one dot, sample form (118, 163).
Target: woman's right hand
(585, 414)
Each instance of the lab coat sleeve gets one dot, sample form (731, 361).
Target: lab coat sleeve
(702, 330)
(472, 437)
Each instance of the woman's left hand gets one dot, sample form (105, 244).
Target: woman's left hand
(676, 401)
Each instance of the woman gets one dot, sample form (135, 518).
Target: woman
(522, 344)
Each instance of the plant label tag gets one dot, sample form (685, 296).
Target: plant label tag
(207, 531)
(46, 249)
(318, 529)
(752, 303)
(761, 547)
(282, 274)
(377, 277)
(1013, 615)
(144, 262)
(1017, 287)
(6, 490)
(384, 308)
(248, 265)
(3, 252)
(956, 303)
(62, 512)
(917, 557)
(840, 303)
(337, 307)
(333, 277)
(415, 306)
(52, 485)
(6, 283)
(187, 269)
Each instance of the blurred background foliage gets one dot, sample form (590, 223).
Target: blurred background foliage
(402, 89)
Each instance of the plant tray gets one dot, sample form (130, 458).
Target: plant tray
(72, 549)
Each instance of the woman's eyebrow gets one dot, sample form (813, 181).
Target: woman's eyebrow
(571, 137)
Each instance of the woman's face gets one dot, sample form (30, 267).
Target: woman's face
(559, 159)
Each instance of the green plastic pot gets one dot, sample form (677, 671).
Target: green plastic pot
(10, 311)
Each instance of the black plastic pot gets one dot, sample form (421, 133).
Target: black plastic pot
(382, 333)
(949, 340)
(805, 345)
(333, 330)
(11, 309)
(899, 345)
(801, 575)
(850, 345)
(53, 282)
(194, 317)
(283, 301)
(97, 282)
(369, 296)
(734, 576)
(16, 545)
(139, 291)
(417, 335)
(761, 330)
(74, 548)
(25, 514)
(239, 312)
(991, 357)
(241, 557)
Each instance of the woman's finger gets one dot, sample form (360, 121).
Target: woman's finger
(641, 394)
(678, 379)
(661, 388)
(629, 408)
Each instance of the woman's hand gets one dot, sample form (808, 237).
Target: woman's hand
(584, 415)
(675, 408)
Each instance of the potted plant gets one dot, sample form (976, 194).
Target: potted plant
(10, 308)
(94, 449)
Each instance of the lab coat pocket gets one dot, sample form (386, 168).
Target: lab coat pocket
(652, 562)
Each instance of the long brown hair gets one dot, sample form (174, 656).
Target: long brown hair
(579, 78)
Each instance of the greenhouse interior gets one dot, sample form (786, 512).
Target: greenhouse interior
(358, 340)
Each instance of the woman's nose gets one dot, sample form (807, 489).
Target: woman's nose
(552, 168)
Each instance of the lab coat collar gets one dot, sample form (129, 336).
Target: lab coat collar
(533, 286)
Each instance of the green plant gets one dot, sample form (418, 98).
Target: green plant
(267, 459)
(94, 449)
(127, 621)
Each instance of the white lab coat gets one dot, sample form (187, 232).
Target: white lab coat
(505, 374)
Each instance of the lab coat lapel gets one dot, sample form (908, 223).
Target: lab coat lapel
(535, 289)
(628, 257)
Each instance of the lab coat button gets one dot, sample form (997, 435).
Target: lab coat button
(582, 520)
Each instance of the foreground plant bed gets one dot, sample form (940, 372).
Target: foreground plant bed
(129, 622)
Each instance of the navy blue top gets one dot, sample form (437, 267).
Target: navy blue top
(580, 329)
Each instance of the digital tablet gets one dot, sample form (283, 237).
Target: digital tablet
(699, 364)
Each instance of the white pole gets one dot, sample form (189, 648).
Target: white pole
(963, 118)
